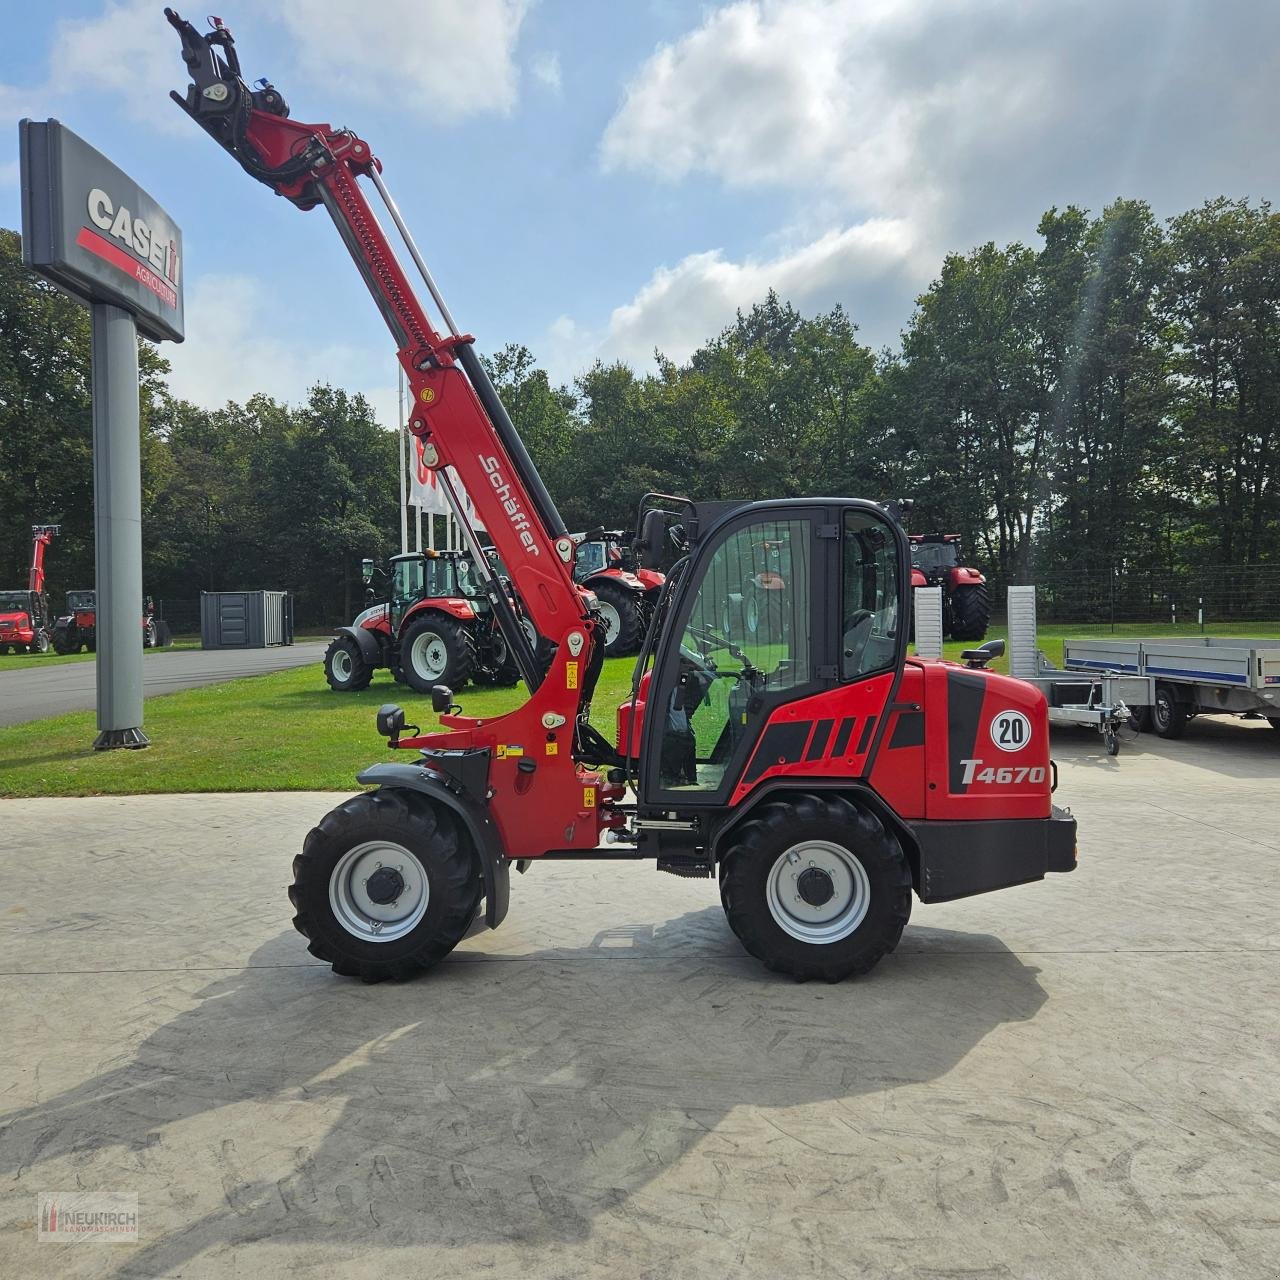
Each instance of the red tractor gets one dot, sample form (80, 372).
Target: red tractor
(815, 772)
(78, 628)
(437, 628)
(625, 591)
(24, 615)
(936, 562)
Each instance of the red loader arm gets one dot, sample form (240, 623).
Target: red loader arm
(41, 536)
(534, 750)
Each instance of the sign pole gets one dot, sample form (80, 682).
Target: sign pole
(117, 527)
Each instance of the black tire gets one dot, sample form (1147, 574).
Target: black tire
(458, 649)
(499, 667)
(767, 837)
(345, 669)
(40, 644)
(1111, 740)
(66, 640)
(428, 834)
(970, 612)
(628, 606)
(1275, 724)
(5, 650)
(1168, 715)
(150, 636)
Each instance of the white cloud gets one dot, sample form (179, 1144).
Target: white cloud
(546, 71)
(441, 57)
(679, 307)
(229, 353)
(128, 50)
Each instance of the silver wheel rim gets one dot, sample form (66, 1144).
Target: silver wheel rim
(753, 615)
(341, 664)
(349, 897)
(429, 655)
(530, 632)
(612, 622)
(834, 919)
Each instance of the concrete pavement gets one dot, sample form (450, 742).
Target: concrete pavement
(33, 692)
(1069, 1080)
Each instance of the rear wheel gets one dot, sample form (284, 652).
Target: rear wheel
(385, 886)
(1168, 715)
(344, 666)
(40, 642)
(622, 614)
(970, 612)
(437, 649)
(816, 888)
(5, 650)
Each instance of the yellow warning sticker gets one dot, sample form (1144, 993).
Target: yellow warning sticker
(571, 675)
(588, 797)
(553, 748)
(427, 395)
(509, 749)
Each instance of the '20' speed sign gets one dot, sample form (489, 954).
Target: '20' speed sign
(1010, 730)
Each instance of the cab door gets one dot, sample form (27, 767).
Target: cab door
(790, 621)
(732, 650)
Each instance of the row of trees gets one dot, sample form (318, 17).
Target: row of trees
(1106, 399)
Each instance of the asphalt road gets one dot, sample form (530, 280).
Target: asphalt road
(34, 692)
(1065, 1081)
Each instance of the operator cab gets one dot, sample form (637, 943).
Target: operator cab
(775, 603)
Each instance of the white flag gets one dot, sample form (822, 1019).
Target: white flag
(426, 494)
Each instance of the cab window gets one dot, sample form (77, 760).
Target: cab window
(870, 596)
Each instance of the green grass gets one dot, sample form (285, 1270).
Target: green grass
(286, 731)
(19, 661)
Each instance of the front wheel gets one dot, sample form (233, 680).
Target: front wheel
(385, 886)
(40, 642)
(816, 888)
(970, 612)
(150, 636)
(345, 669)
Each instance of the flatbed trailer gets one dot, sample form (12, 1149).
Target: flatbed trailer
(1193, 675)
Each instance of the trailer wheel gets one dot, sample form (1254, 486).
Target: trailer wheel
(344, 666)
(1111, 740)
(436, 649)
(970, 612)
(620, 610)
(1168, 715)
(816, 888)
(385, 886)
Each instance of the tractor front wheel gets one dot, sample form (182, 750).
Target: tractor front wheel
(65, 640)
(970, 612)
(623, 618)
(1168, 715)
(816, 888)
(437, 649)
(385, 886)
(40, 642)
(345, 669)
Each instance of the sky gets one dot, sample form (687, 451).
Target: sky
(602, 178)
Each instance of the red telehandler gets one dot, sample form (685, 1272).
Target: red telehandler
(24, 615)
(818, 773)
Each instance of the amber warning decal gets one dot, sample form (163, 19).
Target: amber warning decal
(570, 675)
(1010, 731)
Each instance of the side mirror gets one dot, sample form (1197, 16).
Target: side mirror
(366, 571)
(441, 698)
(650, 548)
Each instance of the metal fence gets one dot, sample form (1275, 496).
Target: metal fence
(1114, 593)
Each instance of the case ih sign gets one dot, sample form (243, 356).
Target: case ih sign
(89, 228)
